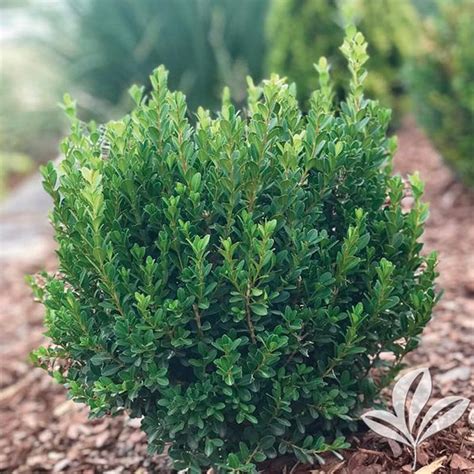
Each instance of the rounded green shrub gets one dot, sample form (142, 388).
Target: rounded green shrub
(235, 284)
(442, 85)
(301, 30)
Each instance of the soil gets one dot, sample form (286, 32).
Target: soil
(42, 431)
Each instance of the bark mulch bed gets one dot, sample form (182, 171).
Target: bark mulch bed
(41, 431)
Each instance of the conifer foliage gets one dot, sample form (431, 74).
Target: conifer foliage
(234, 284)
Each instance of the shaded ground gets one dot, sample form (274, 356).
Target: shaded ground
(43, 432)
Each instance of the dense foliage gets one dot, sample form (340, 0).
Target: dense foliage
(442, 85)
(236, 283)
(107, 45)
(301, 30)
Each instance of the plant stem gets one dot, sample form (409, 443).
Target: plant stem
(248, 314)
(197, 316)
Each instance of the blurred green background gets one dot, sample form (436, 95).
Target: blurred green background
(421, 61)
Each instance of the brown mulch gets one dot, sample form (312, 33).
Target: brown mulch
(41, 431)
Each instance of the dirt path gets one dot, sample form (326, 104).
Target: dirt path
(448, 342)
(43, 432)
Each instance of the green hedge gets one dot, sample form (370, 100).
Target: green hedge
(441, 82)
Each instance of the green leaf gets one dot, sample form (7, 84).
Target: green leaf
(267, 442)
(136, 93)
(259, 309)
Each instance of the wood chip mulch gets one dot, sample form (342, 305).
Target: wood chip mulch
(41, 431)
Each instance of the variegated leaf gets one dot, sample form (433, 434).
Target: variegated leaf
(400, 393)
(370, 418)
(420, 398)
(459, 406)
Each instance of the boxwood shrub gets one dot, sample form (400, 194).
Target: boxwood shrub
(301, 30)
(235, 284)
(442, 86)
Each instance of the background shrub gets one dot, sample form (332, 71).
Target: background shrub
(107, 45)
(236, 283)
(442, 86)
(301, 30)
